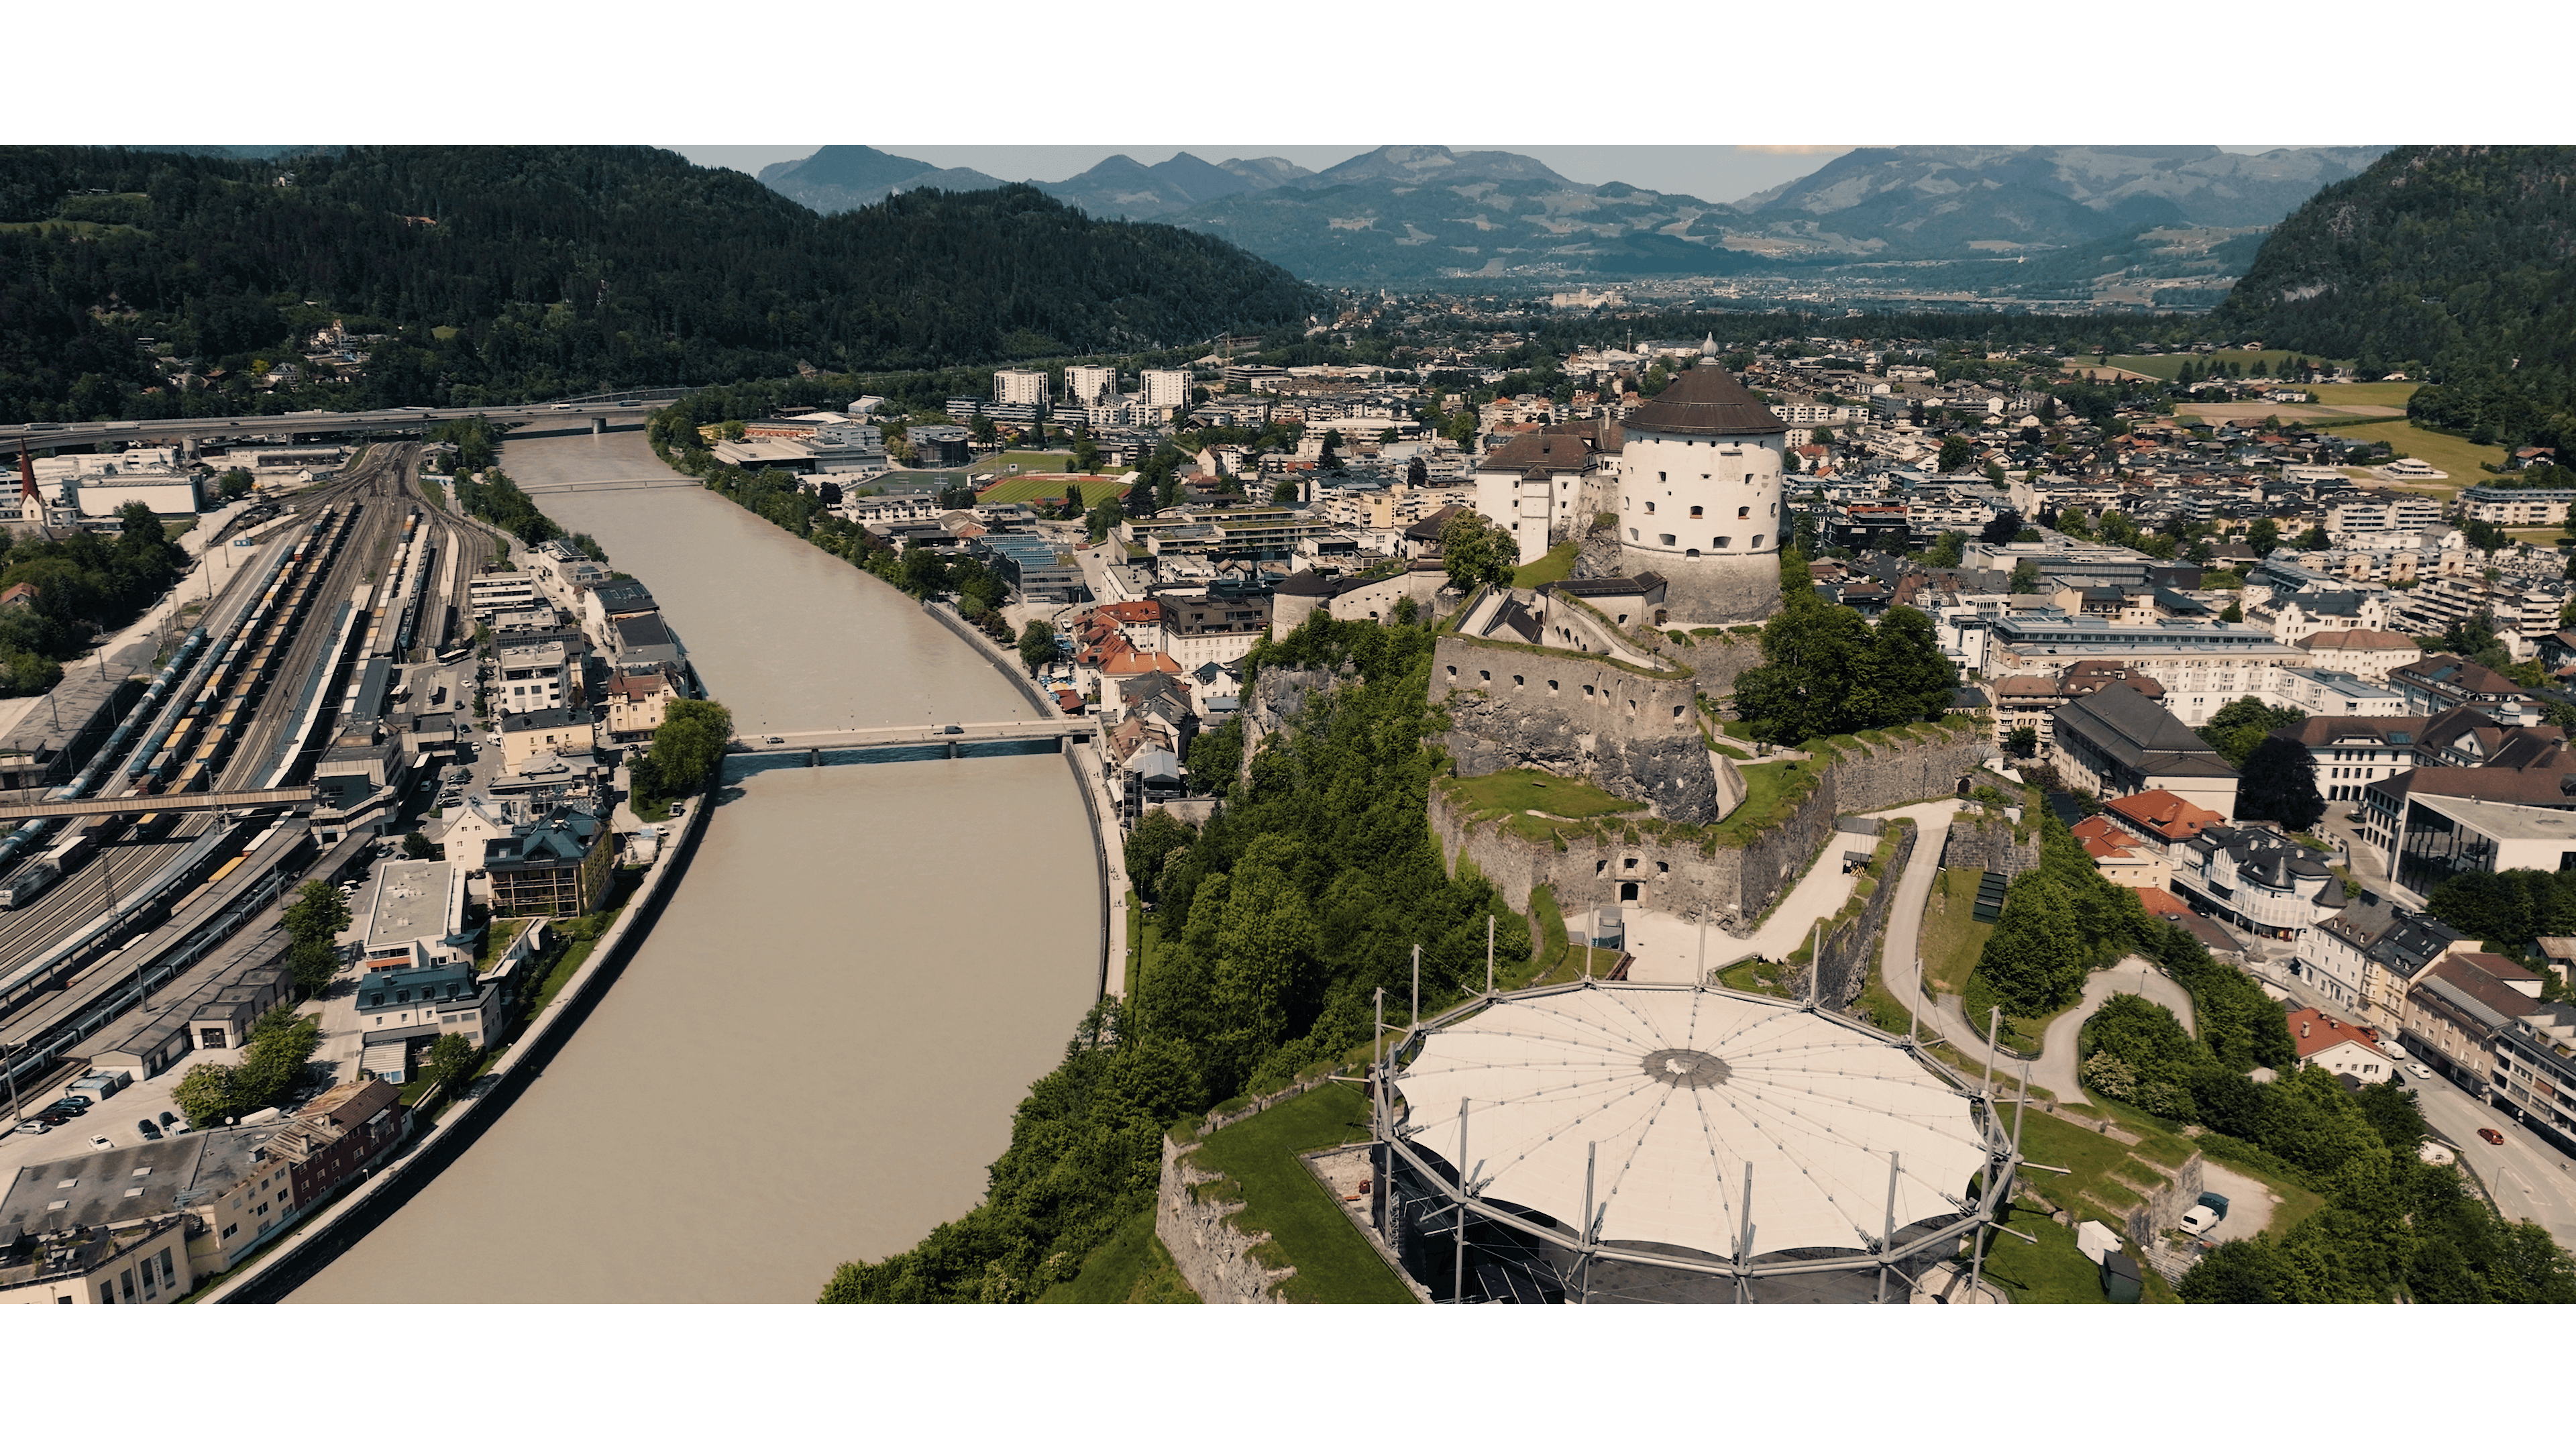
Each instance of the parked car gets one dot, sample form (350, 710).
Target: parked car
(34, 1127)
(144, 1126)
(73, 1105)
(2215, 1203)
(171, 1121)
(2197, 1220)
(952, 729)
(2419, 1069)
(103, 1144)
(2491, 1136)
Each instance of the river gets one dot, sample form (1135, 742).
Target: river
(816, 1053)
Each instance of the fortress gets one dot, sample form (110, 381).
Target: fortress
(1700, 498)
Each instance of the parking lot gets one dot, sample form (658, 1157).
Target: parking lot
(113, 1118)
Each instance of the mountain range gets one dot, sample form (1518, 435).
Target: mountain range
(1417, 212)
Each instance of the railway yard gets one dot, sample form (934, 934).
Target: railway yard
(97, 913)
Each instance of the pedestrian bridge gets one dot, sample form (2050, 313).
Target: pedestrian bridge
(812, 749)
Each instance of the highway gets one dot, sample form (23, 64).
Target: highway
(626, 407)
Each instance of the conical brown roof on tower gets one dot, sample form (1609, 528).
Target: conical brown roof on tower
(1705, 402)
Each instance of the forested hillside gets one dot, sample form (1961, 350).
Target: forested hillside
(506, 273)
(2455, 258)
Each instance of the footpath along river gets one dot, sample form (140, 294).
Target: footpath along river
(816, 1053)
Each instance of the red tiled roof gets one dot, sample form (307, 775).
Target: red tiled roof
(2312, 1031)
(2164, 814)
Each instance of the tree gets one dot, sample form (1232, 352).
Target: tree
(1216, 759)
(1956, 453)
(2278, 782)
(1477, 552)
(2242, 724)
(690, 743)
(234, 483)
(1947, 550)
(2263, 537)
(2025, 577)
(2312, 539)
(452, 1063)
(2035, 961)
(2005, 527)
(1152, 842)
(1908, 677)
(415, 846)
(2234, 613)
(1811, 650)
(1037, 644)
(314, 921)
(2022, 743)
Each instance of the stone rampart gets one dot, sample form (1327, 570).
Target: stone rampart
(1729, 886)
(1633, 734)
(1851, 948)
(1219, 1261)
(1985, 842)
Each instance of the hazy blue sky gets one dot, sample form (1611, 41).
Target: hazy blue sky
(1711, 173)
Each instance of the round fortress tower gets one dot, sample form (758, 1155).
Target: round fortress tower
(1699, 486)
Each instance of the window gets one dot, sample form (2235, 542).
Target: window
(1632, 534)
(1551, 686)
(1757, 540)
(1695, 510)
(1722, 541)
(1517, 682)
(1485, 675)
(1666, 538)
(1650, 505)
(1587, 691)
(1660, 478)
(1453, 671)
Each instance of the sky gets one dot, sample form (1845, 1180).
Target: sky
(1711, 173)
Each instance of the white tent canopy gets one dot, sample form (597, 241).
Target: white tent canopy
(1683, 1091)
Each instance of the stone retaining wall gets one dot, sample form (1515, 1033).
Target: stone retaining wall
(1851, 949)
(2165, 1206)
(1986, 843)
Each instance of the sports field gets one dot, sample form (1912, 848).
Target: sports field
(1027, 487)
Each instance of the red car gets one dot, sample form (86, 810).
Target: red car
(2492, 1135)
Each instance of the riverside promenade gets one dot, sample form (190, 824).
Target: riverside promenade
(296, 1256)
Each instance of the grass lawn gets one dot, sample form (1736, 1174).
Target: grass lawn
(2107, 1173)
(1308, 1229)
(1556, 567)
(2380, 394)
(1141, 936)
(1132, 1267)
(1028, 490)
(1772, 790)
(435, 492)
(1952, 938)
(1518, 790)
(2053, 1270)
(2168, 366)
(2453, 455)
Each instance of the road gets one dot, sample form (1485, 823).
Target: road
(383, 420)
(2529, 1178)
(1670, 949)
(1902, 968)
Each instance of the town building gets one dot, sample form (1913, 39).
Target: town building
(2516, 507)
(2440, 681)
(2367, 653)
(2351, 753)
(345, 1131)
(546, 732)
(556, 865)
(1024, 386)
(2332, 1044)
(637, 701)
(2457, 1011)
(2255, 879)
(2122, 858)
(2117, 742)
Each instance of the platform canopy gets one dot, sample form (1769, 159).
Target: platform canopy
(1683, 1091)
